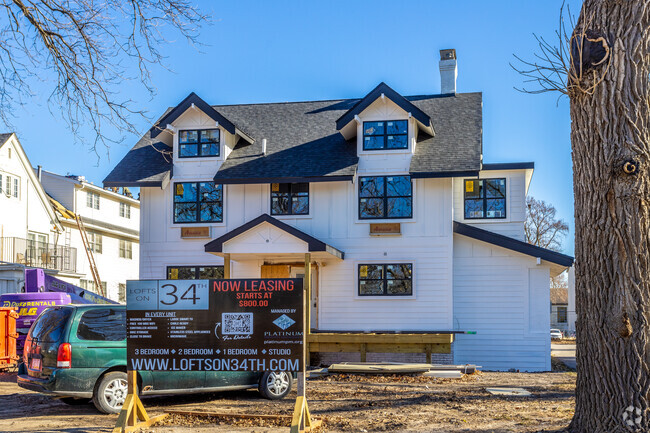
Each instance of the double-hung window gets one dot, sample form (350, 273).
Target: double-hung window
(395, 279)
(125, 210)
(485, 198)
(194, 272)
(126, 249)
(95, 242)
(197, 143)
(391, 134)
(198, 202)
(11, 186)
(385, 197)
(92, 200)
(289, 198)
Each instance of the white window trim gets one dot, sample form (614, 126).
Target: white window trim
(170, 205)
(11, 192)
(507, 219)
(119, 249)
(267, 191)
(92, 195)
(410, 137)
(355, 199)
(125, 208)
(386, 261)
(199, 159)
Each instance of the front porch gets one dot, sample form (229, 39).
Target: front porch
(268, 248)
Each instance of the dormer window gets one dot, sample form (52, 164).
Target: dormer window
(198, 143)
(391, 134)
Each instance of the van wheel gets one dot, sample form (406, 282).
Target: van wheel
(275, 385)
(73, 401)
(110, 392)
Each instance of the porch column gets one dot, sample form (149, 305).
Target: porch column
(305, 317)
(226, 266)
(307, 287)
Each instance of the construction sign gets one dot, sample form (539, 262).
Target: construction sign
(215, 325)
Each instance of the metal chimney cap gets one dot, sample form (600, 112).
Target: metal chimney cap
(449, 54)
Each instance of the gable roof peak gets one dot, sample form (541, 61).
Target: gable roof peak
(383, 89)
(192, 100)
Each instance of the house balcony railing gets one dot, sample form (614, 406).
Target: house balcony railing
(37, 254)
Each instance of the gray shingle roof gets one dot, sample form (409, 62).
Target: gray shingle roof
(4, 137)
(457, 145)
(303, 142)
(148, 163)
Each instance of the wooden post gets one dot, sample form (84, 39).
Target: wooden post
(305, 316)
(307, 304)
(301, 418)
(133, 415)
(226, 266)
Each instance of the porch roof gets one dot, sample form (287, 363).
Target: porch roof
(513, 244)
(216, 246)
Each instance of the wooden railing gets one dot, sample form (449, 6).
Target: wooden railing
(363, 343)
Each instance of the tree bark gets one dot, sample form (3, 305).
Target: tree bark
(610, 137)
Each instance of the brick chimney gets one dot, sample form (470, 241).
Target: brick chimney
(448, 71)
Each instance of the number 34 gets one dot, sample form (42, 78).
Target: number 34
(171, 292)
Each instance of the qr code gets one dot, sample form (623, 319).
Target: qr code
(237, 323)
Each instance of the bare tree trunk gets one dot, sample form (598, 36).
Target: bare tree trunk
(610, 138)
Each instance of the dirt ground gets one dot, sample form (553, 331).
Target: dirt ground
(345, 402)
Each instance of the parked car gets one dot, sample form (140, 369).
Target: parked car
(556, 334)
(78, 353)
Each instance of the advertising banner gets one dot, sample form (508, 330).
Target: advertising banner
(215, 325)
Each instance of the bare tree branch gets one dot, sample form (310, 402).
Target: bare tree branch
(542, 228)
(84, 50)
(570, 65)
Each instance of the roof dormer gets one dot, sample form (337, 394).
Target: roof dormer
(193, 103)
(383, 94)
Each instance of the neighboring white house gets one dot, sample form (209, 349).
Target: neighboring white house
(29, 228)
(407, 228)
(559, 308)
(112, 222)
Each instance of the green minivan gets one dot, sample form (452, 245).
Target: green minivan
(78, 353)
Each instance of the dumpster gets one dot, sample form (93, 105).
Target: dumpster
(8, 336)
(29, 306)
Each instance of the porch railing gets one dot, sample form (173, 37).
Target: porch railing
(38, 254)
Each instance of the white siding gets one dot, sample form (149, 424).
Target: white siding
(426, 241)
(504, 297)
(113, 269)
(28, 211)
(511, 226)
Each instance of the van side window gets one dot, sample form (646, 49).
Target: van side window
(102, 324)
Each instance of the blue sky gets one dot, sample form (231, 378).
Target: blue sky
(260, 51)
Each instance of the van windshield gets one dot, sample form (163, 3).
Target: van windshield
(49, 326)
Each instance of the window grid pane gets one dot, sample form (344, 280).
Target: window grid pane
(290, 198)
(199, 143)
(198, 202)
(485, 198)
(386, 279)
(391, 134)
(385, 197)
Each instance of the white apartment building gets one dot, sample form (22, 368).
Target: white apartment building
(112, 222)
(29, 228)
(409, 232)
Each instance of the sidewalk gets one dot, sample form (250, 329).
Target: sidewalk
(565, 353)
